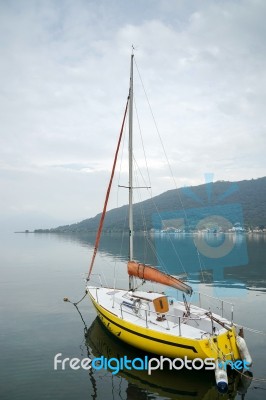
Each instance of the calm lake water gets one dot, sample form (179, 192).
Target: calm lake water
(39, 270)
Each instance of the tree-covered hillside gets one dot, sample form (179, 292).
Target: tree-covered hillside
(248, 195)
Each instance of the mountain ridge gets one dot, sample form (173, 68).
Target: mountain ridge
(249, 195)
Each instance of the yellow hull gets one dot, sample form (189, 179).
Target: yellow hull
(222, 346)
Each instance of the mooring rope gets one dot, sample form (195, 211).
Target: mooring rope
(250, 377)
(250, 329)
(66, 299)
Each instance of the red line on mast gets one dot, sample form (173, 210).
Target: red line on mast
(98, 236)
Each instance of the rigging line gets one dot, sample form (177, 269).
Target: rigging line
(147, 239)
(172, 244)
(146, 236)
(142, 211)
(97, 241)
(160, 138)
(149, 242)
(144, 222)
(169, 237)
(149, 186)
(142, 142)
(120, 166)
(117, 205)
(152, 248)
(123, 236)
(169, 166)
(171, 241)
(120, 252)
(201, 270)
(145, 184)
(251, 330)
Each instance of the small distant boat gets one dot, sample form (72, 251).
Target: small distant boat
(150, 320)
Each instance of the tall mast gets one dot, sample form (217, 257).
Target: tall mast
(130, 169)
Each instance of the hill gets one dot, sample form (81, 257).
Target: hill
(242, 201)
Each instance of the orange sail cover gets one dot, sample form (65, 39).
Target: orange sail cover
(149, 273)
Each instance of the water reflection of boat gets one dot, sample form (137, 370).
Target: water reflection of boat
(183, 384)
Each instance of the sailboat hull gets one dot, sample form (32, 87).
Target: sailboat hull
(164, 343)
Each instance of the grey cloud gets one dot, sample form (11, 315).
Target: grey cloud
(64, 82)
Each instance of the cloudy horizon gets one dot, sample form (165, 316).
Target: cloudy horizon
(64, 82)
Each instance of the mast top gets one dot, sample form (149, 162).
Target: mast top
(133, 48)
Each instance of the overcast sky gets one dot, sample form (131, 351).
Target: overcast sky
(64, 76)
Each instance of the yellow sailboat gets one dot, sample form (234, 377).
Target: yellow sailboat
(189, 385)
(152, 321)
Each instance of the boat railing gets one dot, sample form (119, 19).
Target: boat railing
(223, 305)
(99, 277)
(181, 319)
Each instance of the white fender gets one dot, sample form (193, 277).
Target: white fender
(243, 350)
(221, 377)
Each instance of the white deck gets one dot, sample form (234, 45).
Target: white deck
(125, 305)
